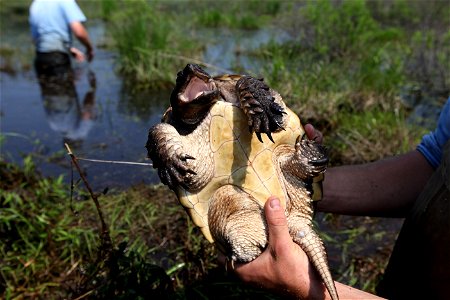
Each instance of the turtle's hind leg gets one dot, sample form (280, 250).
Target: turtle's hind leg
(237, 224)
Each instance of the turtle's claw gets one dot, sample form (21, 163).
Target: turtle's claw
(185, 157)
(269, 135)
(191, 172)
(165, 177)
(256, 99)
(277, 109)
(315, 154)
(278, 124)
(319, 162)
(258, 134)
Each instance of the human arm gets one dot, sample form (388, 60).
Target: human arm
(82, 35)
(284, 267)
(386, 188)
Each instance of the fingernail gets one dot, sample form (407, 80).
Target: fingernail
(274, 203)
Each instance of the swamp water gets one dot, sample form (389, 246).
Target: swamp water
(108, 123)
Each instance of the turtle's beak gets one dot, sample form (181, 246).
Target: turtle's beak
(195, 96)
(196, 90)
(193, 110)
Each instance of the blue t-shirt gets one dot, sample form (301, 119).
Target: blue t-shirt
(50, 23)
(433, 143)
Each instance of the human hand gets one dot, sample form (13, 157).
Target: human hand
(313, 134)
(283, 266)
(77, 54)
(90, 54)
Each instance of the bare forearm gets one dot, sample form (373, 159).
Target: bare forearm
(81, 34)
(347, 292)
(384, 188)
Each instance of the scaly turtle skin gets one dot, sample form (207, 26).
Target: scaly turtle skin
(209, 150)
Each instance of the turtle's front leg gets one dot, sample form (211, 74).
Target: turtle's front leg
(165, 149)
(308, 160)
(264, 114)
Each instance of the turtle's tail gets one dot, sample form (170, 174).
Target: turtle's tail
(310, 242)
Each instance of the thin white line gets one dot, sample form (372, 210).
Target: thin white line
(115, 162)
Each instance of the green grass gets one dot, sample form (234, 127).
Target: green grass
(54, 247)
(155, 38)
(368, 136)
(340, 48)
(149, 44)
(51, 245)
(36, 234)
(243, 15)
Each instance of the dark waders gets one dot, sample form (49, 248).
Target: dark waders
(419, 267)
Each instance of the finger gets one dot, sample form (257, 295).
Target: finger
(313, 134)
(310, 131)
(276, 221)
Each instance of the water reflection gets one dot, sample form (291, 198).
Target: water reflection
(64, 112)
(145, 106)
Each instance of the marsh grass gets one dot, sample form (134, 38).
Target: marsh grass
(339, 49)
(155, 38)
(14, 59)
(149, 43)
(248, 15)
(40, 244)
(243, 15)
(371, 135)
(52, 247)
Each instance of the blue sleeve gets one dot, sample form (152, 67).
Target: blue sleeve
(72, 12)
(433, 143)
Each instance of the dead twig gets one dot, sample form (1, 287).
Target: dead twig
(106, 239)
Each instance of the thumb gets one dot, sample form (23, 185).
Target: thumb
(276, 220)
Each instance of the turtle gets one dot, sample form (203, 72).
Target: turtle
(209, 149)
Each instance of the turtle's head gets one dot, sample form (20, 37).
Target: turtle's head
(194, 94)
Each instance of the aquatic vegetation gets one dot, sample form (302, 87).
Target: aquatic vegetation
(36, 235)
(149, 44)
(349, 63)
(155, 250)
(367, 136)
(52, 245)
(155, 38)
(244, 15)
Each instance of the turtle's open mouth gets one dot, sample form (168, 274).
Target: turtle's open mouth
(193, 95)
(197, 88)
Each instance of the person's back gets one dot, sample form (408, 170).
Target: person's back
(50, 24)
